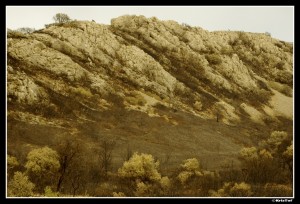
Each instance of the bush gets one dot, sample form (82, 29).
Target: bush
(245, 39)
(80, 91)
(165, 183)
(143, 189)
(20, 186)
(282, 88)
(142, 167)
(284, 77)
(50, 193)
(118, 194)
(240, 190)
(213, 59)
(278, 142)
(190, 167)
(12, 164)
(42, 166)
(136, 99)
(104, 189)
(277, 190)
(258, 165)
(233, 190)
(73, 24)
(184, 176)
(16, 34)
(42, 161)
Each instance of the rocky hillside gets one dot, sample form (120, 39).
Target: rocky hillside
(158, 86)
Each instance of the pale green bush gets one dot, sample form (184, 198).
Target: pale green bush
(276, 138)
(277, 190)
(80, 91)
(20, 186)
(184, 176)
(12, 162)
(50, 193)
(190, 167)
(140, 166)
(240, 190)
(191, 164)
(118, 194)
(143, 189)
(249, 153)
(165, 183)
(42, 167)
(105, 189)
(42, 161)
(288, 153)
(231, 189)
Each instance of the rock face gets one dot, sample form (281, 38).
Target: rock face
(85, 73)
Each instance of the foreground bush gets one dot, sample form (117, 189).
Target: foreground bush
(20, 186)
(231, 189)
(142, 167)
(277, 190)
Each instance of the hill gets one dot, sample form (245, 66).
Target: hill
(152, 86)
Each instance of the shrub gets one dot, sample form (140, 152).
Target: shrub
(258, 165)
(190, 167)
(282, 88)
(184, 176)
(240, 190)
(191, 164)
(80, 91)
(213, 59)
(277, 190)
(276, 139)
(142, 167)
(246, 40)
(136, 99)
(42, 166)
(16, 34)
(227, 51)
(12, 164)
(284, 77)
(231, 189)
(50, 193)
(20, 186)
(289, 152)
(42, 161)
(198, 105)
(249, 153)
(104, 189)
(165, 182)
(143, 189)
(118, 194)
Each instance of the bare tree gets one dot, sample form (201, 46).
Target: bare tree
(127, 154)
(61, 18)
(68, 150)
(75, 182)
(105, 155)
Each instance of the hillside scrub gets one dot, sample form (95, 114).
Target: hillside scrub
(207, 113)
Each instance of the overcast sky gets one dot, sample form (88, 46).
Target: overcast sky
(279, 21)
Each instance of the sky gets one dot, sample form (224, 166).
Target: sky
(277, 20)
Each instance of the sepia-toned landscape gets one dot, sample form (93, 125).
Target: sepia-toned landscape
(148, 108)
